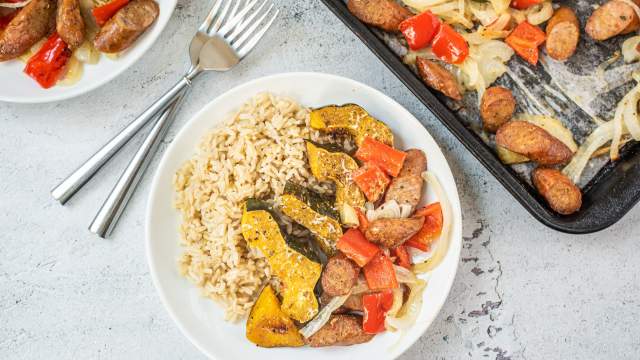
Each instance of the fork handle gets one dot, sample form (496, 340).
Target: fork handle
(74, 182)
(109, 214)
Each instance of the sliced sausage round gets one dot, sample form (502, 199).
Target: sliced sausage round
(339, 275)
(385, 14)
(496, 108)
(405, 190)
(393, 232)
(124, 28)
(563, 34)
(533, 142)
(613, 18)
(340, 330)
(31, 24)
(561, 194)
(414, 164)
(438, 78)
(69, 23)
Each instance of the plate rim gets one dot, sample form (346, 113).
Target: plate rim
(155, 183)
(76, 91)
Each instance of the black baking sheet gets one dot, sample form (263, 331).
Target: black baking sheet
(575, 92)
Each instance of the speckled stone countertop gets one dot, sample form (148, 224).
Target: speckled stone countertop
(522, 290)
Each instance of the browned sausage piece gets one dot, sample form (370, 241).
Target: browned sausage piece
(69, 23)
(339, 275)
(405, 190)
(533, 142)
(407, 187)
(562, 195)
(126, 26)
(496, 107)
(340, 330)
(393, 232)
(385, 14)
(611, 19)
(30, 25)
(438, 78)
(563, 34)
(414, 164)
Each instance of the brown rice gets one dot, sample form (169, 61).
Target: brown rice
(253, 155)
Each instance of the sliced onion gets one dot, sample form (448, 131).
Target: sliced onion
(408, 313)
(398, 299)
(389, 210)
(600, 136)
(360, 287)
(15, 5)
(447, 222)
(540, 13)
(618, 126)
(631, 119)
(323, 316)
(500, 6)
(630, 51)
(405, 276)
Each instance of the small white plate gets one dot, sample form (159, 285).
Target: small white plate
(200, 319)
(24, 89)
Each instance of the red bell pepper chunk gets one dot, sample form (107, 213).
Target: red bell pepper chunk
(380, 274)
(431, 229)
(524, 4)
(371, 180)
(387, 158)
(103, 13)
(450, 46)
(403, 258)
(375, 307)
(419, 30)
(525, 39)
(356, 247)
(362, 220)
(48, 64)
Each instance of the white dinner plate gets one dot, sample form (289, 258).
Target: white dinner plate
(199, 318)
(17, 87)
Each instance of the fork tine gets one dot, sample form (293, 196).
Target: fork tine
(246, 22)
(238, 43)
(220, 20)
(237, 18)
(254, 41)
(212, 14)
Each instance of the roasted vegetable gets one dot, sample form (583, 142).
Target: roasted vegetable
(387, 158)
(356, 247)
(372, 181)
(321, 203)
(297, 273)
(352, 119)
(303, 206)
(302, 245)
(336, 167)
(269, 326)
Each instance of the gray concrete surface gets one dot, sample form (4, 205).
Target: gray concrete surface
(522, 290)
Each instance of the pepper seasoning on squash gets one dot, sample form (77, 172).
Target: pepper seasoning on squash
(297, 273)
(336, 167)
(353, 119)
(312, 211)
(269, 326)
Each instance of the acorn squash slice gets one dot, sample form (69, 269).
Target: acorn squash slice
(297, 272)
(315, 212)
(269, 326)
(337, 167)
(353, 119)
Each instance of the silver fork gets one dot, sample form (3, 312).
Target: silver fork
(230, 31)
